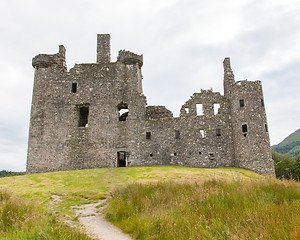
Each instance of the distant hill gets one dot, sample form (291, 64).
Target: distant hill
(290, 144)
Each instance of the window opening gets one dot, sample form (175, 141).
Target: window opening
(151, 154)
(177, 134)
(266, 127)
(216, 108)
(244, 129)
(74, 87)
(199, 109)
(148, 135)
(242, 103)
(83, 116)
(262, 103)
(175, 154)
(200, 153)
(121, 159)
(123, 111)
(202, 133)
(218, 132)
(187, 110)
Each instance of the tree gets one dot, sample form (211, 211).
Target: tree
(277, 157)
(297, 169)
(285, 168)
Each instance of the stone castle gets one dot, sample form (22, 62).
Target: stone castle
(95, 115)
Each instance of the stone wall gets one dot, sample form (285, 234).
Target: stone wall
(95, 115)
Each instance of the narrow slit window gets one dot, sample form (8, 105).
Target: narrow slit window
(148, 135)
(216, 108)
(242, 103)
(177, 134)
(262, 102)
(266, 128)
(199, 109)
(187, 110)
(74, 87)
(244, 128)
(83, 116)
(218, 132)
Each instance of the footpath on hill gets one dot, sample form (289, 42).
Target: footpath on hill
(95, 225)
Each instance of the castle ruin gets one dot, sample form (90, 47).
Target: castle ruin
(96, 115)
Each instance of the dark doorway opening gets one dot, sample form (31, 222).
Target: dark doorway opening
(83, 116)
(121, 159)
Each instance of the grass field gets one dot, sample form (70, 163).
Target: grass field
(215, 209)
(167, 188)
(85, 186)
(23, 219)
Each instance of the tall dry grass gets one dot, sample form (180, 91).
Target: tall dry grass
(21, 219)
(215, 209)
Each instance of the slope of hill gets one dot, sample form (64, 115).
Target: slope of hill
(224, 203)
(290, 144)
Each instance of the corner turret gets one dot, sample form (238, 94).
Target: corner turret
(48, 60)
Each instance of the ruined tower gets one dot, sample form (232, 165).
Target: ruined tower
(249, 123)
(95, 115)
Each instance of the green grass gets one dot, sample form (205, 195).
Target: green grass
(215, 209)
(90, 185)
(21, 219)
(184, 190)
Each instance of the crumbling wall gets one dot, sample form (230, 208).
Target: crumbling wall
(95, 115)
(157, 112)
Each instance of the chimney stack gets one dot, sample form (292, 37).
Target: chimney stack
(103, 48)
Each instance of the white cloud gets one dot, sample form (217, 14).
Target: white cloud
(183, 42)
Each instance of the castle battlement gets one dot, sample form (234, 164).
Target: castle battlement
(128, 57)
(96, 115)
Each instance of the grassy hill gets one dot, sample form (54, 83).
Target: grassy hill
(290, 144)
(154, 203)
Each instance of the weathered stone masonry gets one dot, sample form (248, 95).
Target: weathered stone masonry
(95, 115)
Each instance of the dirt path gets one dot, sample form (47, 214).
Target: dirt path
(91, 217)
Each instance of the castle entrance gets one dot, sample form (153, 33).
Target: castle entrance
(121, 159)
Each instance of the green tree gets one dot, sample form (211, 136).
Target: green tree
(285, 168)
(297, 169)
(5, 173)
(277, 157)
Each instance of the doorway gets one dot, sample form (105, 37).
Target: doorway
(121, 159)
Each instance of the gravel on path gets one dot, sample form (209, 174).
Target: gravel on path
(95, 225)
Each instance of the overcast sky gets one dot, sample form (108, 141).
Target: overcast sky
(183, 43)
